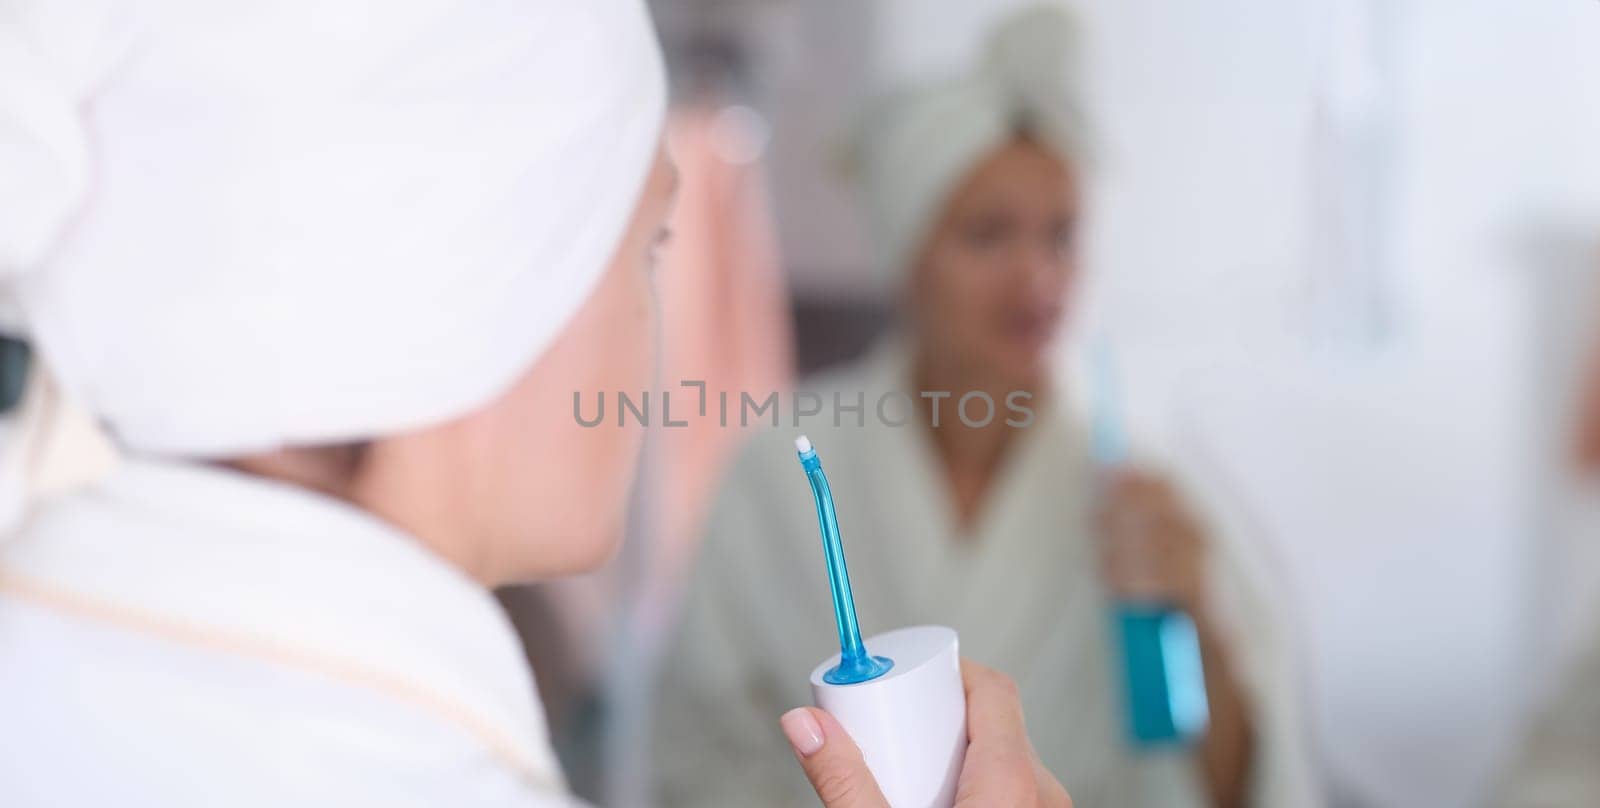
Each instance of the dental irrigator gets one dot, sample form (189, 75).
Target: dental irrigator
(906, 708)
(1164, 683)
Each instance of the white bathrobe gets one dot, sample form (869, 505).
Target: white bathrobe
(183, 635)
(1021, 588)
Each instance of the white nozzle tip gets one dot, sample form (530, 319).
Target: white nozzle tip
(802, 444)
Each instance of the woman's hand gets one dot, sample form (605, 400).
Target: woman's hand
(1153, 549)
(1000, 766)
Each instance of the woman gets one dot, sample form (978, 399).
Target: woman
(964, 491)
(328, 273)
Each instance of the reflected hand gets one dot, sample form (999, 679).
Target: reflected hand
(1153, 549)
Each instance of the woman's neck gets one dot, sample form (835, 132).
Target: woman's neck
(416, 504)
(970, 456)
(328, 470)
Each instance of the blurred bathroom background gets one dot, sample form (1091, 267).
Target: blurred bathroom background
(1345, 250)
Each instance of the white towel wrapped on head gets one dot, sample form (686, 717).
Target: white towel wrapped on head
(234, 226)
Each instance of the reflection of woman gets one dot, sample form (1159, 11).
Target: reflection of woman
(330, 279)
(975, 188)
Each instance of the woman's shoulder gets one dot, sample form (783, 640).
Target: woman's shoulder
(78, 697)
(82, 696)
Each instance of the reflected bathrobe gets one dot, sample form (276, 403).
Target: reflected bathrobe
(183, 635)
(1559, 763)
(1021, 588)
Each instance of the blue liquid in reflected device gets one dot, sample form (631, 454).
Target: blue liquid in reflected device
(855, 664)
(1164, 681)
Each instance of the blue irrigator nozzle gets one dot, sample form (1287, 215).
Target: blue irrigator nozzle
(855, 664)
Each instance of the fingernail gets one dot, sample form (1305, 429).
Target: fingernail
(804, 733)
